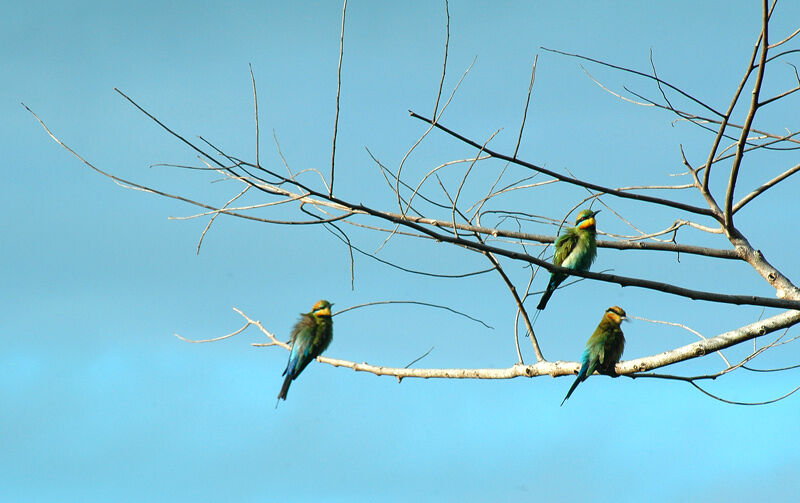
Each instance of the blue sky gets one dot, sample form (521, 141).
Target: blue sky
(102, 403)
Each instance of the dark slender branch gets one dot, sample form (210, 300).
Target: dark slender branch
(607, 190)
(781, 369)
(691, 380)
(658, 82)
(641, 74)
(527, 103)
(713, 152)
(696, 121)
(776, 44)
(419, 357)
(416, 303)
(781, 54)
(731, 402)
(255, 106)
(520, 305)
(414, 271)
(609, 278)
(499, 268)
(173, 133)
(338, 92)
(751, 115)
(618, 245)
(760, 190)
(779, 96)
(342, 236)
(444, 64)
(216, 214)
(385, 170)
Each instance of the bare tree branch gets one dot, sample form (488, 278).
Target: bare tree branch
(768, 185)
(527, 102)
(751, 114)
(641, 74)
(573, 181)
(338, 92)
(444, 63)
(713, 151)
(561, 368)
(416, 303)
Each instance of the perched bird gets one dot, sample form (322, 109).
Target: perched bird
(603, 349)
(310, 337)
(575, 249)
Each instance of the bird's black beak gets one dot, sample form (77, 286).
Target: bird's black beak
(596, 212)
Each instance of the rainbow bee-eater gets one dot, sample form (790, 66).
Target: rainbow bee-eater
(575, 249)
(603, 349)
(310, 337)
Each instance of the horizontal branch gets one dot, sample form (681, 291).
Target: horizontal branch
(562, 368)
(574, 181)
(543, 238)
(609, 278)
(537, 369)
(716, 343)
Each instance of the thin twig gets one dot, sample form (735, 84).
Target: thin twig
(721, 131)
(444, 63)
(527, 102)
(520, 306)
(255, 106)
(417, 303)
(680, 325)
(731, 402)
(425, 134)
(216, 214)
(573, 181)
(636, 72)
(215, 339)
(338, 91)
(420, 357)
(776, 44)
(760, 190)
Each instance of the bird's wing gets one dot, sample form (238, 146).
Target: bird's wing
(564, 246)
(305, 323)
(302, 346)
(610, 350)
(589, 361)
(615, 352)
(302, 342)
